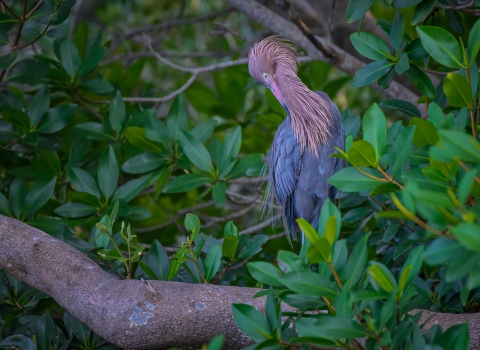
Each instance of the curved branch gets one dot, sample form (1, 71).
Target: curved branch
(330, 53)
(129, 313)
(136, 314)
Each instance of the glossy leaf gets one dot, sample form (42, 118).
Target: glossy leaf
(441, 45)
(117, 113)
(56, 119)
(421, 81)
(308, 282)
(95, 131)
(69, 57)
(402, 106)
(357, 8)
(251, 321)
(195, 151)
(38, 195)
(374, 127)
(265, 273)
(425, 132)
(351, 180)
(458, 92)
(136, 136)
(422, 10)
(370, 73)
(108, 172)
(211, 263)
(474, 42)
(362, 153)
(370, 46)
(75, 210)
(185, 183)
(83, 182)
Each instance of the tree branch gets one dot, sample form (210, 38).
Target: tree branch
(331, 53)
(124, 312)
(135, 314)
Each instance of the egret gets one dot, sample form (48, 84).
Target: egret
(298, 161)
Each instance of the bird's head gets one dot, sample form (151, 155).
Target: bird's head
(271, 61)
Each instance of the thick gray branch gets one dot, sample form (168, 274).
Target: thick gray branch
(128, 313)
(333, 55)
(133, 314)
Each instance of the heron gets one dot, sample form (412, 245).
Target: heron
(298, 161)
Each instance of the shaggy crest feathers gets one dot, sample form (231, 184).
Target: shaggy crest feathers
(308, 110)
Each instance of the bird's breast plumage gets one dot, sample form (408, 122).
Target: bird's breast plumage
(298, 177)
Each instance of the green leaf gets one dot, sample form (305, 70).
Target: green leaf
(401, 149)
(230, 145)
(251, 322)
(176, 263)
(157, 258)
(39, 194)
(229, 246)
(415, 50)
(17, 341)
(56, 118)
(129, 190)
(216, 343)
(162, 181)
(249, 161)
(362, 154)
(16, 195)
(69, 57)
(423, 9)
(374, 127)
(382, 276)
(108, 172)
(351, 180)
(310, 283)
(402, 106)
(356, 262)
(474, 42)
(357, 8)
(94, 131)
(219, 192)
(402, 4)
(402, 65)
(19, 119)
(441, 251)
(91, 60)
(425, 132)
(185, 183)
(264, 273)
(370, 46)
(7, 60)
(371, 72)
(28, 71)
(398, 29)
(143, 163)
(458, 91)
(38, 105)
(330, 327)
(203, 131)
(441, 45)
(44, 332)
(117, 113)
(467, 234)
(310, 233)
(75, 210)
(136, 136)
(421, 81)
(195, 151)
(83, 182)
(192, 223)
(81, 38)
(212, 262)
(460, 145)
(177, 118)
(4, 205)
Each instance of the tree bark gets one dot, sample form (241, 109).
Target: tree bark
(334, 55)
(133, 314)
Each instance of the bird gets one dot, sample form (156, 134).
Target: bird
(298, 161)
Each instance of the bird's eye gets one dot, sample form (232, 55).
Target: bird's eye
(265, 75)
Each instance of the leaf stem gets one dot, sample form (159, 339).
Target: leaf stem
(337, 279)
(368, 175)
(412, 217)
(388, 177)
(470, 108)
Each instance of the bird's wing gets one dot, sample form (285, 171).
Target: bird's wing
(283, 161)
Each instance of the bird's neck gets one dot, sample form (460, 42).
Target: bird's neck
(310, 113)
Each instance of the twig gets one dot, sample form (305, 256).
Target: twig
(10, 10)
(179, 23)
(260, 226)
(91, 110)
(457, 7)
(388, 177)
(176, 217)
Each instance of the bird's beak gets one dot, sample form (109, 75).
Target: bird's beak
(276, 92)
